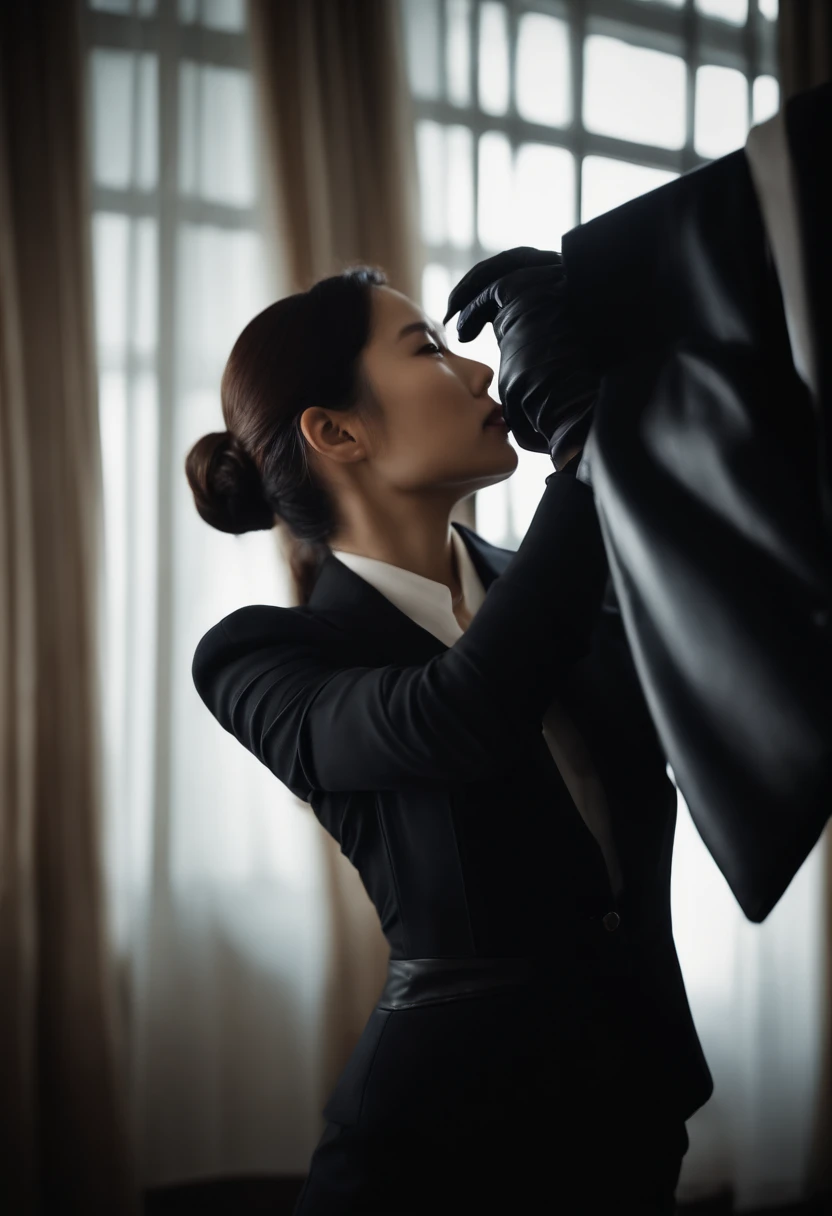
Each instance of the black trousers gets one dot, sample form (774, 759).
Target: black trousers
(589, 1163)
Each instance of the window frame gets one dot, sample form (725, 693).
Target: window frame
(695, 37)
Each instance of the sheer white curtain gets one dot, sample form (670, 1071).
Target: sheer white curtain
(216, 877)
(757, 993)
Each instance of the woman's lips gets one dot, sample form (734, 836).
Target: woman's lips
(495, 418)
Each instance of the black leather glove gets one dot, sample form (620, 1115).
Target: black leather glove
(571, 465)
(546, 383)
(578, 466)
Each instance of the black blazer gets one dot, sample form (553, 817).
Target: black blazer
(712, 469)
(428, 765)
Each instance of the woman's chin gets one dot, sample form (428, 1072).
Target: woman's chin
(498, 469)
(484, 468)
(506, 456)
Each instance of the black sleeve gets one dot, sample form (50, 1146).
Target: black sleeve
(318, 725)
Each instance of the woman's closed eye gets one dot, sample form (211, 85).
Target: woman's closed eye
(436, 349)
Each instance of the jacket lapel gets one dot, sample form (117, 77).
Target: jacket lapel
(379, 631)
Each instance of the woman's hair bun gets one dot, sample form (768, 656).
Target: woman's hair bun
(226, 485)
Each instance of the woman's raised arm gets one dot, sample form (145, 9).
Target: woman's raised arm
(462, 716)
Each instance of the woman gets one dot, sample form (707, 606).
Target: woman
(486, 761)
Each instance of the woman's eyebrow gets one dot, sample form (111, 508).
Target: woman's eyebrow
(425, 326)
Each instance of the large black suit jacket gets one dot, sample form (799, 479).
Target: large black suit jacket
(428, 765)
(712, 467)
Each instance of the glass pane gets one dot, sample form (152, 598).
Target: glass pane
(544, 196)
(460, 178)
(110, 238)
(430, 151)
(446, 183)
(458, 51)
(227, 126)
(734, 11)
(672, 3)
(125, 269)
(145, 286)
(215, 14)
(436, 287)
(765, 98)
(543, 79)
(209, 319)
(188, 127)
(113, 436)
(224, 14)
(721, 110)
(124, 119)
(493, 59)
(631, 92)
(607, 183)
(494, 192)
(112, 93)
(529, 203)
(769, 9)
(421, 38)
(216, 157)
(147, 150)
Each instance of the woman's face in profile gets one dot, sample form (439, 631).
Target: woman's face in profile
(429, 431)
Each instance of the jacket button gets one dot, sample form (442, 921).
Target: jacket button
(611, 921)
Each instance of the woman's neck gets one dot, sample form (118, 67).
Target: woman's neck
(410, 533)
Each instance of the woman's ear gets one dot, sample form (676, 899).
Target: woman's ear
(334, 434)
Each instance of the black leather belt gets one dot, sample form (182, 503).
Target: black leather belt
(429, 981)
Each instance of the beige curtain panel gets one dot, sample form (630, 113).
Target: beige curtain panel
(63, 1127)
(336, 119)
(342, 187)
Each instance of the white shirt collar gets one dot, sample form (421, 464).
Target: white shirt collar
(424, 600)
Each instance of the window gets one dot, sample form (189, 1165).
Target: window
(535, 115)
(180, 267)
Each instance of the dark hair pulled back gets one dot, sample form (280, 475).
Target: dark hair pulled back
(301, 351)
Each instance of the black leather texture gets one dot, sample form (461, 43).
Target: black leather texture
(705, 465)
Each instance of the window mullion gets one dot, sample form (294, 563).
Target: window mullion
(166, 380)
(691, 28)
(473, 86)
(577, 34)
